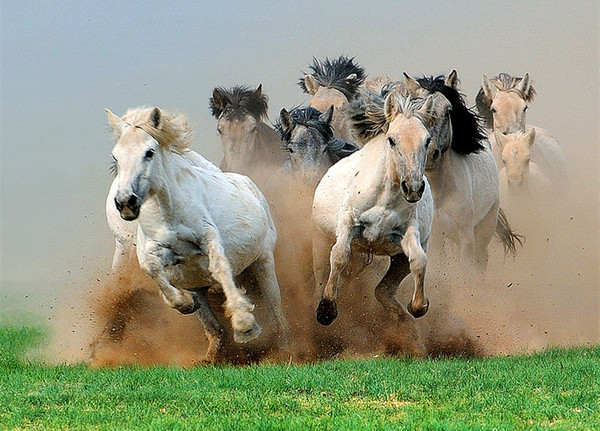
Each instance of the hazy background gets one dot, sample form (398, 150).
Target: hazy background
(63, 62)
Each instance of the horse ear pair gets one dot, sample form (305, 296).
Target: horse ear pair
(524, 87)
(219, 100)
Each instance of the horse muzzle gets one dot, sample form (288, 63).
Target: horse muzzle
(413, 190)
(128, 206)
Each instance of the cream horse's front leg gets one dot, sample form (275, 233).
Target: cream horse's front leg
(338, 260)
(237, 308)
(411, 245)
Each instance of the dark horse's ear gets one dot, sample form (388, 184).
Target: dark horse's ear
(285, 119)
(218, 103)
(326, 116)
(258, 91)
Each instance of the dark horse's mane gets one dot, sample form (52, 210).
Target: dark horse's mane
(334, 74)
(467, 134)
(238, 102)
(310, 117)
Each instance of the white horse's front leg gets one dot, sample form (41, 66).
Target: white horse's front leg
(411, 245)
(339, 257)
(237, 308)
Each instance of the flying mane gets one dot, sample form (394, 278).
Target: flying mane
(171, 130)
(334, 74)
(238, 102)
(310, 117)
(467, 134)
(503, 82)
(367, 112)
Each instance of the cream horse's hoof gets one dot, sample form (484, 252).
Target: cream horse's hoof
(420, 312)
(247, 336)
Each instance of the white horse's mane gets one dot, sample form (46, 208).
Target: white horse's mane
(172, 130)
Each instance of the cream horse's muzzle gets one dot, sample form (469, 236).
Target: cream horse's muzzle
(128, 206)
(413, 190)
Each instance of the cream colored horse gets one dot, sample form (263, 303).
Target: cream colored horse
(519, 175)
(503, 103)
(196, 227)
(334, 83)
(378, 201)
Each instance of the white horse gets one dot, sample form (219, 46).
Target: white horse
(334, 83)
(377, 201)
(503, 102)
(196, 226)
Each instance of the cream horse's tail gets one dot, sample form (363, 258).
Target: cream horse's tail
(507, 236)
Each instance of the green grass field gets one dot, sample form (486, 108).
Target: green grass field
(557, 389)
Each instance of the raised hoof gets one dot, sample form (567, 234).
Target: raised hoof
(420, 312)
(326, 312)
(247, 336)
(190, 307)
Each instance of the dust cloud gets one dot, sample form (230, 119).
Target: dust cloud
(548, 295)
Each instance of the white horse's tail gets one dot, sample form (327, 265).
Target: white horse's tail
(507, 236)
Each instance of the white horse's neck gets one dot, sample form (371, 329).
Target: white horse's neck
(172, 182)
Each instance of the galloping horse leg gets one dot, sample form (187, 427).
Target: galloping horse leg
(411, 245)
(237, 307)
(263, 270)
(183, 301)
(385, 292)
(484, 232)
(213, 329)
(340, 255)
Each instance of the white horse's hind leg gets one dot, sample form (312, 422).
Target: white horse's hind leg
(385, 292)
(237, 307)
(263, 270)
(213, 329)
(411, 245)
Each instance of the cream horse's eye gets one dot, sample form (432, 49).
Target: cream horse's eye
(149, 154)
(391, 142)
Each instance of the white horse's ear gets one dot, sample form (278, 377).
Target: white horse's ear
(489, 89)
(116, 123)
(327, 115)
(311, 84)
(351, 77)
(452, 80)
(530, 137)
(524, 85)
(258, 91)
(156, 118)
(412, 83)
(390, 108)
(285, 119)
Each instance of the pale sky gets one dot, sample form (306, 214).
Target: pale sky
(63, 62)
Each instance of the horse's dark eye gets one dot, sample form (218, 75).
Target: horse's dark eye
(391, 142)
(149, 154)
(493, 110)
(219, 131)
(525, 108)
(290, 150)
(427, 142)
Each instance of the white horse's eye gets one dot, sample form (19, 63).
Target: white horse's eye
(391, 142)
(149, 154)
(525, 108)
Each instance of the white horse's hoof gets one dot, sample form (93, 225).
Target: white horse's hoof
(419, 312)
(247, 336)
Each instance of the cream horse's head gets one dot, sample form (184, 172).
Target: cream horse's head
(143, 137)
(503, 102)
(408, 139)
(516, 156)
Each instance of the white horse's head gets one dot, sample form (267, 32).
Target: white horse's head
(239, 112)
(441, 124)
(516, 156)
(408, 138)
(503, 102)
(143, 136)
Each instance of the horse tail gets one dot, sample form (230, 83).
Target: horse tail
(507, 236)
